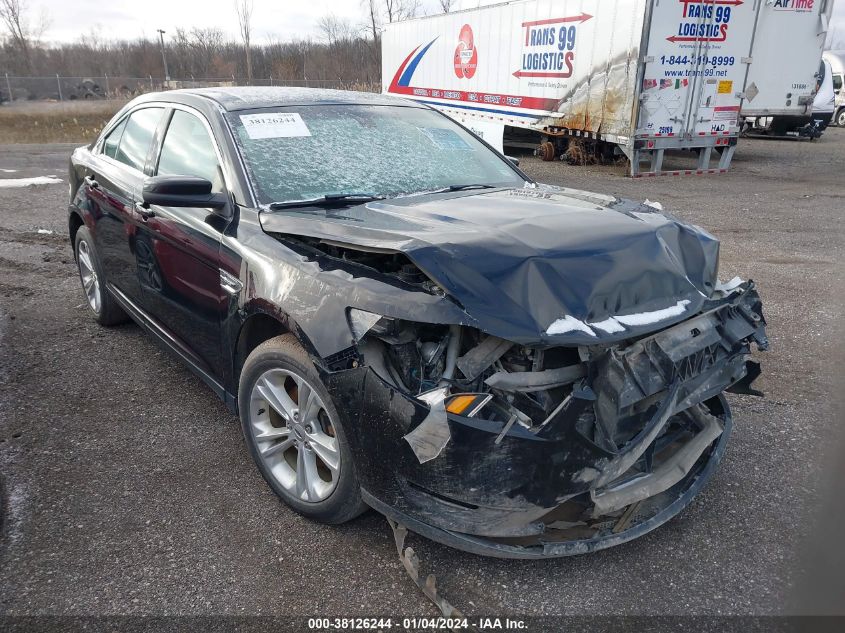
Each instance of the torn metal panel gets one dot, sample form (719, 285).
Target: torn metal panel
(612, 498)
(432, 435)
(610, 469)
(411, 562)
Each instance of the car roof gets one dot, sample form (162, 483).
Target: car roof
(252, 97)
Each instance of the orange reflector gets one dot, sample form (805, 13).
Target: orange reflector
(459, 404)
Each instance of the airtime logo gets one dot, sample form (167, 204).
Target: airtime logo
(794, 5)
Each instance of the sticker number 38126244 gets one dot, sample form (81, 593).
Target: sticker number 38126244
(274, 125)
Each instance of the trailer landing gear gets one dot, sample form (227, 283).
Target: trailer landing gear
(652, 153)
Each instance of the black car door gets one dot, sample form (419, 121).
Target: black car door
(185, 295)
(113, 187)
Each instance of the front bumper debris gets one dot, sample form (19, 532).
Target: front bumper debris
(641, 431)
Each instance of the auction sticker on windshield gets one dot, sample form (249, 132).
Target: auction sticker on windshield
(274, 125)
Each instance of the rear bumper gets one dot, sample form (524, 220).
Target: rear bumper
(586, 480)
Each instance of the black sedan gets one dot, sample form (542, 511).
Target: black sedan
(403, 320)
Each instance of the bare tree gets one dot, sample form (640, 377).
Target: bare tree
(23, 33)
(391, 9)
(373, 18)
(244, 10)
(193, 51)
(335, 29)
(446, 5)
(344, 53)
(396, 10)
(411, 9)
(205, 45)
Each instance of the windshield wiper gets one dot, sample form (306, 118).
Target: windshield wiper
(471, 186)
(460, 188)
(328, 200)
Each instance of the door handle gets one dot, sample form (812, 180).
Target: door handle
(92, 182)
(146, 212)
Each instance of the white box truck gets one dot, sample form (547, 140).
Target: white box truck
(782, 76)
(597, 76)
(835, 63)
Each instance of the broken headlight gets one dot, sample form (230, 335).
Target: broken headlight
(414, 357)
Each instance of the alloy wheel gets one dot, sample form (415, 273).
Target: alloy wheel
(88, 274)
(294, 435)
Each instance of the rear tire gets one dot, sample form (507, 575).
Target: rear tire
(104, 306)
(294, 433)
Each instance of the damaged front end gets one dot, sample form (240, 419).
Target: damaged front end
(525, 372)
(523, 451)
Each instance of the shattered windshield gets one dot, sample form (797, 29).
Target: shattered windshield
(303, 152)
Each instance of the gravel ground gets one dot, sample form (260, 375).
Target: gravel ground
(128, 490)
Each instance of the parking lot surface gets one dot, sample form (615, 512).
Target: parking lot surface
(127, 488)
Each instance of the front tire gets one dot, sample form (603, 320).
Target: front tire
(102, 304)
(840, 118)
(294, 433)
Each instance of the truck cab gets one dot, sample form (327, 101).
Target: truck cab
(836, 64)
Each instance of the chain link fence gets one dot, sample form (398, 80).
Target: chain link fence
(59, 88)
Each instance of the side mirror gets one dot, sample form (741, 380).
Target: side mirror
(181, 191)
(514, 160)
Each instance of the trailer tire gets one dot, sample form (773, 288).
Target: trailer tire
(546, 151)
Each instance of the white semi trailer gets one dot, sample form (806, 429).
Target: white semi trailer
(590, 76)
(784, 71)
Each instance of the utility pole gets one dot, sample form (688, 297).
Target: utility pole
(163, 58)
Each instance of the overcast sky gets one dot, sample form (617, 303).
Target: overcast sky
(272, 19)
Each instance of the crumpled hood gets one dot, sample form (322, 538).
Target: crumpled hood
(536, 264)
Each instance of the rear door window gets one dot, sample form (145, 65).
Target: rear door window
(113, 139)
(136, 139)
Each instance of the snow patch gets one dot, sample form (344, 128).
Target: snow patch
(655, 316)
(611, 326)
(44, 232)
(615, 324)
(653, 204)
(9, 183)
(569, 324)
(9, 171)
